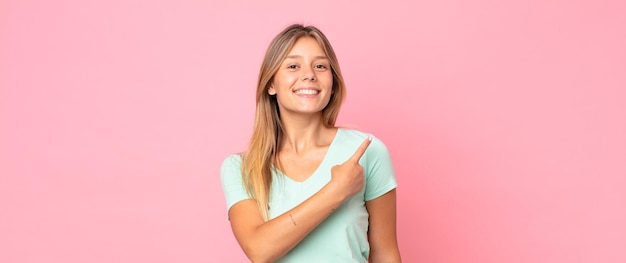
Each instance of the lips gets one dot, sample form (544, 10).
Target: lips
(306, 91)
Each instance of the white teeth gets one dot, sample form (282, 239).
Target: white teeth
(307, 92)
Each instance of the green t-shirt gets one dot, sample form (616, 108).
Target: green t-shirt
(342, 237)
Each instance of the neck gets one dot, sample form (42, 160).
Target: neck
(304, 132)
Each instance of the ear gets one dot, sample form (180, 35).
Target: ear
(271, 90)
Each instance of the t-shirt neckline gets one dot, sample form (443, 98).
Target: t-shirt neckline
(322, 163)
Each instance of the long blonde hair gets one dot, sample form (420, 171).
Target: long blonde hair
(267, 134)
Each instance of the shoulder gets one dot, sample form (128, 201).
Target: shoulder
(356, 136)
(232, 159)
(353, 134)
(231, 165)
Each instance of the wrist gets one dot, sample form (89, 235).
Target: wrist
(334, 194)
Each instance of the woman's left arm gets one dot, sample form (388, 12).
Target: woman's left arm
(382, 229)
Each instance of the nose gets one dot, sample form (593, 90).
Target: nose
(309, 74)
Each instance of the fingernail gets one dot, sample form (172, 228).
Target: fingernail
(370, 138)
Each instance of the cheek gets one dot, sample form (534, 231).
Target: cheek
(284, 81)
(328, 80)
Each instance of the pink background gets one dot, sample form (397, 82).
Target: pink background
(506, 121)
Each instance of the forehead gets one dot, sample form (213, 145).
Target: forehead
(306, 46)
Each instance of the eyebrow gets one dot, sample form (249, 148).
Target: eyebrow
(298, 56)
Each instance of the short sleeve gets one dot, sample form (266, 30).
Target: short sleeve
(232, 183)
(379, 173)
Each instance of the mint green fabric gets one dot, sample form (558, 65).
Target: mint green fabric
(342, 237)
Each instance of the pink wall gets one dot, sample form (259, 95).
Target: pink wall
(506, 121)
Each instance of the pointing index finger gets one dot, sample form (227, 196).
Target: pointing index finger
(361, 150)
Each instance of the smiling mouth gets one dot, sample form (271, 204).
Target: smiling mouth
(307, 92)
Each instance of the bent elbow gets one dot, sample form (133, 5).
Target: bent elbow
(259, 253)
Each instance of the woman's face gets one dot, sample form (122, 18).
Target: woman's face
(304, 81)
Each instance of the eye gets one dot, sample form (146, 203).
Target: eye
(321, 66)
(292, 66)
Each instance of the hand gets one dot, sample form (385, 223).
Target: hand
(348, 176)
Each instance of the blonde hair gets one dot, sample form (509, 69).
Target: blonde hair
(267, 134)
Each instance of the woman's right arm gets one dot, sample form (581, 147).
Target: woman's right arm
(268, 241)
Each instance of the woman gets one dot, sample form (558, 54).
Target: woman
(305, 190)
